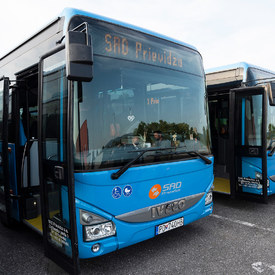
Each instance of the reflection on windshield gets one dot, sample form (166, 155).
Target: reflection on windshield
(129, 106)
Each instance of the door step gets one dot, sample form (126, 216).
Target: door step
(35, 224)
(222, 185)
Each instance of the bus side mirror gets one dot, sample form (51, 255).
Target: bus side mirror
(79, 56)
(271, 92)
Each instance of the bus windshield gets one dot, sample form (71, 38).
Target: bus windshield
(132, 105)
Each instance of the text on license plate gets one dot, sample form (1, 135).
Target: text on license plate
(162, 228)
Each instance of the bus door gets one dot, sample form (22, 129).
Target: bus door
(5, 202)
(247, 124)
(56, 162)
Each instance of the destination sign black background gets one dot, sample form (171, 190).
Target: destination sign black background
(124, 43)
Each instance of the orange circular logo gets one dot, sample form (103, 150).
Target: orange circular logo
(155, 191)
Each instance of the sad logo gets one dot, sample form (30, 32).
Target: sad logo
(155, 191)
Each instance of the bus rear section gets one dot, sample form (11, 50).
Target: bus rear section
(241, 121)
(108, 149)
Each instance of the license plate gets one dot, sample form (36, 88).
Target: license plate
(162, 228)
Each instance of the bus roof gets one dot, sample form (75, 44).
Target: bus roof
(236, 72)
(68, 13)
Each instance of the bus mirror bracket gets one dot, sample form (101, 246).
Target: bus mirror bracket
(79, 54)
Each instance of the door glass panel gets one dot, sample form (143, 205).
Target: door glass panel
(270, 127)
(248, 133)
(4, 155)
(252, 120)
(2, 198)
(54, 114)
(1, 107)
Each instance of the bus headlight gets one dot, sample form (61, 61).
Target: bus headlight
(99, 231)
(258, 175)
(209, 196)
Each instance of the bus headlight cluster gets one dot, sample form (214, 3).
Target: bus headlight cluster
(209, 196)
(258, 175)
(95, 227)
(99, 231)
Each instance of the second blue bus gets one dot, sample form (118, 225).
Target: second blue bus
(242, 118)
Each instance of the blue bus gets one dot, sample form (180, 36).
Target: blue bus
(242, 120)
(105, 137)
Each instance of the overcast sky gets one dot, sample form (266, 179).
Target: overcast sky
(224, 31)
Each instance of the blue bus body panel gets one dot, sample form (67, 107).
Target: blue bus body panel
(270, 173)
(249, 167)
(252, 165)
(98, 187)
(95, 192)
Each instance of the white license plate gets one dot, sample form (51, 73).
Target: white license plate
(162, 228)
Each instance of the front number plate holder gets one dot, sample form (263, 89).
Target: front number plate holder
(162, 228)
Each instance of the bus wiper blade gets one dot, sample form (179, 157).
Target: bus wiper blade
(205, 159)
(124, 168)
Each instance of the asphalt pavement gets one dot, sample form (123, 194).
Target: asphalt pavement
(238, 238)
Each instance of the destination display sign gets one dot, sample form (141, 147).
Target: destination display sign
(118, 42)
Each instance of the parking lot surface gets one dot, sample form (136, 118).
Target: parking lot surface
(238, 238)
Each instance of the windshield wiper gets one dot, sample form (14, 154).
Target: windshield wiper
(191, 153)
(124, 168)
(205, 159)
